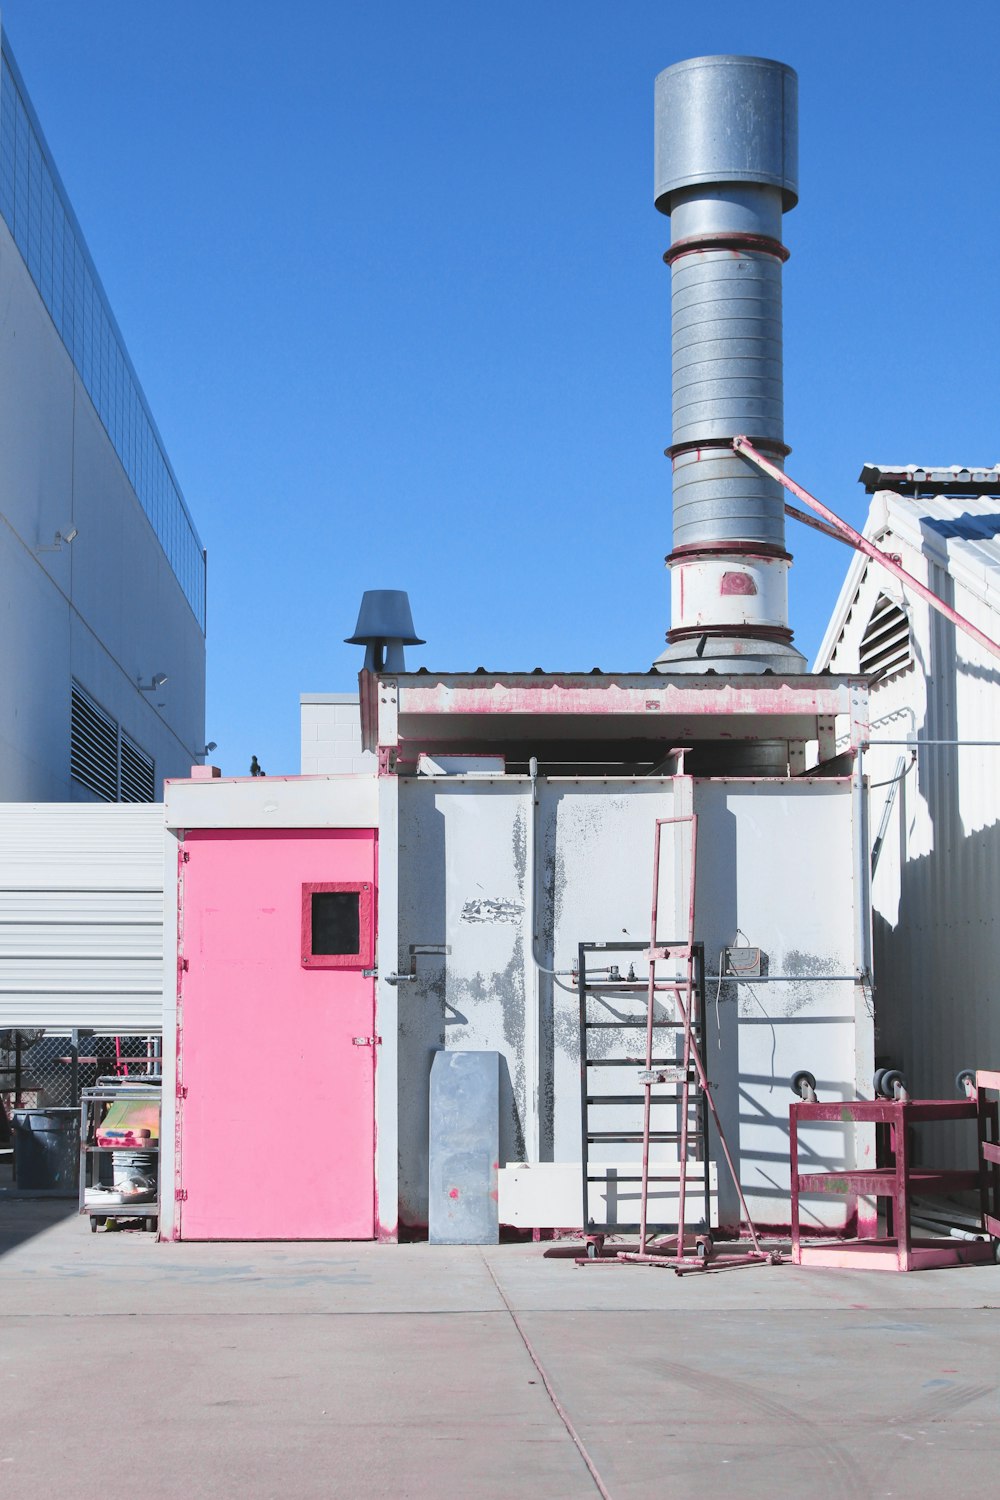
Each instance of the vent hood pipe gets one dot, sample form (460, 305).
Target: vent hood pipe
(726, 172)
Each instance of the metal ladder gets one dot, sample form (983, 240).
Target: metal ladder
(687, 991)
(600, 984)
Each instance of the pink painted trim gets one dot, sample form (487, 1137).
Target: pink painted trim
(362, 959)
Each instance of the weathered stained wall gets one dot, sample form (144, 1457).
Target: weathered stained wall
(776, 860)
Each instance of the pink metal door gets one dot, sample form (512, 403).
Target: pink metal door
(276, 1047)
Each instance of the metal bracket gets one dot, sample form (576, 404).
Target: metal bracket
(419, 950)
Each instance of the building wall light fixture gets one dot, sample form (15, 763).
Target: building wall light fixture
(65, 535)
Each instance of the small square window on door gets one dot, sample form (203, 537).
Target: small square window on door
(336, 925)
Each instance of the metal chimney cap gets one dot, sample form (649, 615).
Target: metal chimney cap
(726, 119)
(384, 616)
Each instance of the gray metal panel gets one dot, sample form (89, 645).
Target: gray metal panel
(81, 916)
(464, 1149)
(726, 119)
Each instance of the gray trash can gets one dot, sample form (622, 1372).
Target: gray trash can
(47, 1149)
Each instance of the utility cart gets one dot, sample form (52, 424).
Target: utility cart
(120, 1150)
(894, 1179)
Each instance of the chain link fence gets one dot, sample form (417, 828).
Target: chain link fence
(45, 1070)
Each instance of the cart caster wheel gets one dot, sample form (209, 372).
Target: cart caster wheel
(887, 1085)
(703, 1248)
(151, 1225)
(93, 1223)
(803, 1083)
(996, 1251)
(593, 1250)
(963, 1079)
(877, 1082)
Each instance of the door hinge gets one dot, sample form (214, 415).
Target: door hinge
(182, 1091)
(183, 965)
(185, 855)
(180, 1195)
(367, 1041)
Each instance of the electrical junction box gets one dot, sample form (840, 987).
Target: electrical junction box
(745, 963)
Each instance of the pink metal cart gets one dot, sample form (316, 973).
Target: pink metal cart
(896, 1179)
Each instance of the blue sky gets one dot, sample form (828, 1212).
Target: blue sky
(390, 275)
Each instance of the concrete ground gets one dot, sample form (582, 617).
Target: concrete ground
(317, 1371)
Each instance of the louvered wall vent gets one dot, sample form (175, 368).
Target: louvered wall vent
(885, 645)
(103, 758)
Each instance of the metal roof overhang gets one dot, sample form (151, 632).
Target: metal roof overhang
(463, 709)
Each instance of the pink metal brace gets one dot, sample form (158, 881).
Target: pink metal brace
(846, 533)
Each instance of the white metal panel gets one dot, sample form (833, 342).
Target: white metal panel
(462, 860)
(776, 860)
(547, 1195)
(81, 916)
(595, 883)
(937, 932)
(274, 802)
(776, 871)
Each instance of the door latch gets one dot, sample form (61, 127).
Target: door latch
(367, 1041)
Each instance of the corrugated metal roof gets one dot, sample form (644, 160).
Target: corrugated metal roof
(954, 479)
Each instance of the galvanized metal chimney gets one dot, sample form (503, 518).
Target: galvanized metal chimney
(726, 171)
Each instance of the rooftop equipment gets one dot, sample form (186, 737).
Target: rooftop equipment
(726, 170)
(385, 626)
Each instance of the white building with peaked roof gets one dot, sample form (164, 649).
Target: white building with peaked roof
(934, 766)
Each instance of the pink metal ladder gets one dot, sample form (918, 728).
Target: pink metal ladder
(682, 989)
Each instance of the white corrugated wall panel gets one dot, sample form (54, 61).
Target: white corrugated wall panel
(937, 925)
(81, 916)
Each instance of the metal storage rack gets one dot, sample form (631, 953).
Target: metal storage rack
(607, 984)
(99, 1202)
(895, 1179)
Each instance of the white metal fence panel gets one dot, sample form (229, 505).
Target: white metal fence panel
(81, 916)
